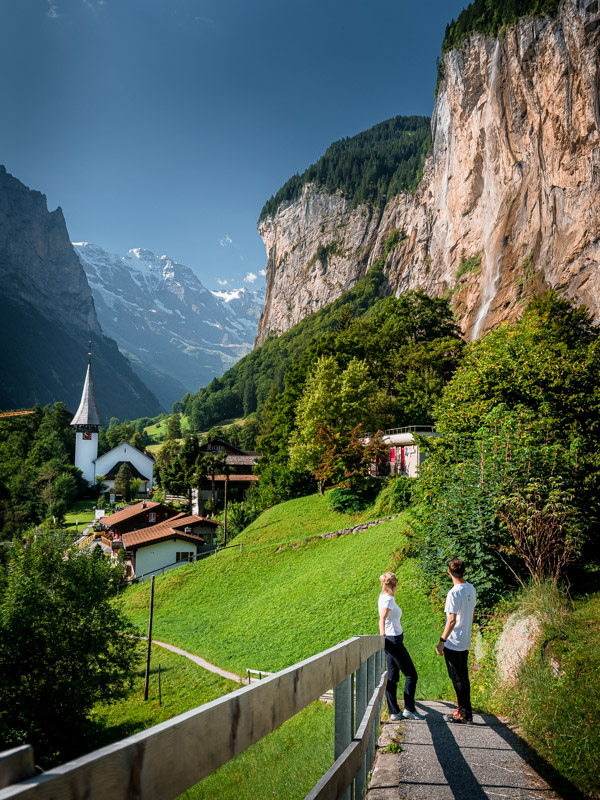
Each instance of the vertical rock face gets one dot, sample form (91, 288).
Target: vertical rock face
(47, 316)
(509, 198)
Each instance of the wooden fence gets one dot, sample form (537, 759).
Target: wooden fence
(166, 760)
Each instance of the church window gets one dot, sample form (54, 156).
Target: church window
(87, 436)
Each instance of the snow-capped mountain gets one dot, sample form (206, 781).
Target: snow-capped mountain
(177, 334)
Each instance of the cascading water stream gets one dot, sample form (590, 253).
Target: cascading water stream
(491, 271)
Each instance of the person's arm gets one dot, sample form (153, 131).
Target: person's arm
(450, 623)
(384, 614)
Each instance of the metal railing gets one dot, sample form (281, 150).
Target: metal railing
(410, 429)
(166, 760)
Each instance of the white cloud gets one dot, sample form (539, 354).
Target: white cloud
(52, 11)
(262, 272)
(226, 240)
(250, 277)
(222, 283)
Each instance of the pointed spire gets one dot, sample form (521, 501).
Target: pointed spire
(87, 414)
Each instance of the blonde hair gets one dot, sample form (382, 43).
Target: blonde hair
(388, 580)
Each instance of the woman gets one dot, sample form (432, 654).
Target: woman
(396, 655)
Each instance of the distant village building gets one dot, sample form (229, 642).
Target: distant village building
(239, 463)
(168, 544)
(135, 517)
(87, 421)
(404, 454)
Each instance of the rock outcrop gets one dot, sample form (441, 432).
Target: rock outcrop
(47, 316)
(509, 199)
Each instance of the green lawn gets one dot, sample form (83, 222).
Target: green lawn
(270, 606)
(184, 685)
(83, 510)
(266, 608)
(298, 520)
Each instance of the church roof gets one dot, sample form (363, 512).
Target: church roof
(87, 413)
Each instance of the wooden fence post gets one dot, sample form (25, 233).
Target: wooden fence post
(371, 683)
(16, 765)
(343, 722)
(362, 699)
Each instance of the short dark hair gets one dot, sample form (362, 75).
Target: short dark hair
(456, 567)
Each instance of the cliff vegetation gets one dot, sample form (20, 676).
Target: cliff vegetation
(367, 168)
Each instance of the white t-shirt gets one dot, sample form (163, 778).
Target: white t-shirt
(392, 626)
(461, 601)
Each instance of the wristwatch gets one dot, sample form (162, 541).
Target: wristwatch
(442, 639)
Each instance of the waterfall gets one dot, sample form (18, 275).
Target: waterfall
(491, 271)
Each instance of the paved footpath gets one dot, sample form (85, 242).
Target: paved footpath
(442, 761)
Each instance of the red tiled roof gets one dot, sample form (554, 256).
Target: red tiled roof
(168, 529)
(130, 511)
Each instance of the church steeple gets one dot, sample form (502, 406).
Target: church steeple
(86, 422)
(87, 415)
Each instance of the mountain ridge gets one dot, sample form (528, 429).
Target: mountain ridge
(177, 334)
(47, 316)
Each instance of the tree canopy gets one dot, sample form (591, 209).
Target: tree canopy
(65, 646)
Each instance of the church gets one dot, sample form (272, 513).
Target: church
(87, 421)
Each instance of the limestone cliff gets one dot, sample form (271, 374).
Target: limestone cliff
(509, 198)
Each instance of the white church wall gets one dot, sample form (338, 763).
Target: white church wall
(125, 452)
(86, 451)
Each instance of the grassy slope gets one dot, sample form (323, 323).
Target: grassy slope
(297, 520)
(266, 609)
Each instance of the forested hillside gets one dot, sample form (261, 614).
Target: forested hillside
(245, 387)
(370, 167)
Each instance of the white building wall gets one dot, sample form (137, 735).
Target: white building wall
(159, 555)
(86, 451)
(125, 452)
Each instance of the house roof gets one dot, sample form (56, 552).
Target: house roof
(145, 454)
(168, 529)
(87, 414)
(247, 460)
(234, 478)
(112, 473)
(129, 512)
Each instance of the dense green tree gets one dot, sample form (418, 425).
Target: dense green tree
(174, 427)
(123, 481)
(513, 482)
(65, 646)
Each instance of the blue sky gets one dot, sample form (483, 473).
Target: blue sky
(167, 124)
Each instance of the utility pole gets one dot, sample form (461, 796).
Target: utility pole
(225, 513)
(149, 640)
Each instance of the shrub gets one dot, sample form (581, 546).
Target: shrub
(395, 497)
(346, 501)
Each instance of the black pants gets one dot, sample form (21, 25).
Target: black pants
(399, 661)
(458, 670)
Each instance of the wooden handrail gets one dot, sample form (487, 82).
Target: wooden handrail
(167, 759)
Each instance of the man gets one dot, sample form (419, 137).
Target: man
(455, 641)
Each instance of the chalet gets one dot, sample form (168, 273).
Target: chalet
(140, 464)
(404, 454)
(175, 541)
(240, 464)
(133, 518)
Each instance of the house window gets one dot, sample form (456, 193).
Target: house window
(152, 516)
(185, 556)
(87, 436)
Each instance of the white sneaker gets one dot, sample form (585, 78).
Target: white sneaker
(412, 714)
(395, 718)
